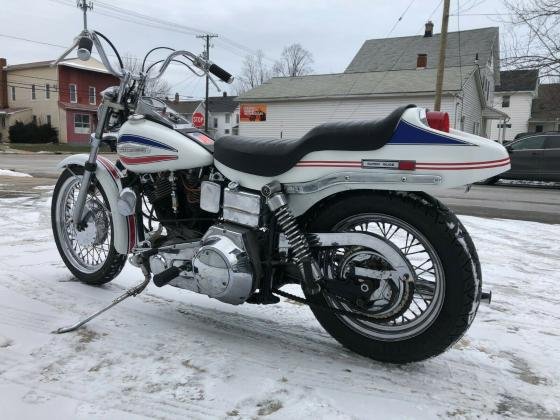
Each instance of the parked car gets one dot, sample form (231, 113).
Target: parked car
(534, 157)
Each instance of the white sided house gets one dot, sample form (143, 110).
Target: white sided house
(384, 74)
(514, 96)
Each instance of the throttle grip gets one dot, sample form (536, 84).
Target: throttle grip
(220, 73)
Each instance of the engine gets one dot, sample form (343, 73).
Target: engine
(217, 263)
(218, 266)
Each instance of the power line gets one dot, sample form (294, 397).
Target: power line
(400, 18)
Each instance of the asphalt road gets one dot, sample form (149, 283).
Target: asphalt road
(531, 203)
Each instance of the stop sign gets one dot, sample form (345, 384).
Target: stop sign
(198, 119)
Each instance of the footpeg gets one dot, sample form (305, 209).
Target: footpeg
(486, 297)
(166, 276)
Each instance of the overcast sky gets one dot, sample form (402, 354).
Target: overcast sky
(333, 30)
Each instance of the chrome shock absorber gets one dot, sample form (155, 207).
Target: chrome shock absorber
(278, 204)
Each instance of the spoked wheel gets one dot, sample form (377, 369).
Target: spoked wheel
(411, 319)
(88, 252)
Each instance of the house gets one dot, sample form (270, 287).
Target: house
(184, 108)
(545, 110)
(384, 74)
(66, 96)
(514, 96)
(223, 115)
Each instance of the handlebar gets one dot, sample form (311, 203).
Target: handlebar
(87, 40)
(220, 73)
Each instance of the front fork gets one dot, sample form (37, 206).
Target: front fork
(90, 167)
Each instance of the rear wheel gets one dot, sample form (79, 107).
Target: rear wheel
(410, 325)
(88, 253)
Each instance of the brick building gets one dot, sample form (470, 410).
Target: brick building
(65, 96)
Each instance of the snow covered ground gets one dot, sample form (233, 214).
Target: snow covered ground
(7, 172)
(173, 354)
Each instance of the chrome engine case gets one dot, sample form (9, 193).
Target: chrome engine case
(220, 264)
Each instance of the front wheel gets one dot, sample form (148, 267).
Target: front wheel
(88, 253)
(410, 324)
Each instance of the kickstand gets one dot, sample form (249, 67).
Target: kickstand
(130, 292)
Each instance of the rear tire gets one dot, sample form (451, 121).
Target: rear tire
(459, 261)
(103, 270)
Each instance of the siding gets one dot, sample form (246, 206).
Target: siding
(294, 119)
(470, 107)
(519, 111)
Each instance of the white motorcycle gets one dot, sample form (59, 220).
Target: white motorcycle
(388, 270)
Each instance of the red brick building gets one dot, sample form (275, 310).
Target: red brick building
(66, 96)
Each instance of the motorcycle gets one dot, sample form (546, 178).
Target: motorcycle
(344, 212)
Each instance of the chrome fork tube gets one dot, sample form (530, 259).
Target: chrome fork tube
(90, 167)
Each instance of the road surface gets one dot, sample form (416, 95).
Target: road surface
(537, 204)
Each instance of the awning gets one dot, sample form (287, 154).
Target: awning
(494, 114)
(11, 111)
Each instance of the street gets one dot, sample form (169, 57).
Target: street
(531, 203)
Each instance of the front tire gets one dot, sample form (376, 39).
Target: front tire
(454, 279)
(90, 254)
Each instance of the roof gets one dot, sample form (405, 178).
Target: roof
(184, 107)
(546, 106)
(518, 80)
(92, 64)
(344, 85)
(77, 107)
(222, 103)
(401, 53)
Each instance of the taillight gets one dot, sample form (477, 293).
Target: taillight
(438, 120)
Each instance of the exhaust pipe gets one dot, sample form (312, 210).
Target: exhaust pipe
(486, 297)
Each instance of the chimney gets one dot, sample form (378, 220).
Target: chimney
(177, 97)
(422, 61)
(3, 84)
(429, 29)
(225, 94)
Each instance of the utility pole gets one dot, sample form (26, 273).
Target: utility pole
(85, 6)
(207, 58)
(442, 48)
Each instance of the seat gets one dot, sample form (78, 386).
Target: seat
(272, 157)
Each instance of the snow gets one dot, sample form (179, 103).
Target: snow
(173, 354)
(531, 183)
(7, 172)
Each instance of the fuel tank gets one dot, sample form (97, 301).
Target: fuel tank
(146, 146)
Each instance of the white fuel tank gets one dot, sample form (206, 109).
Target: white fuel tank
(145, 146)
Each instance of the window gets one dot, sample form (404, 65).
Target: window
(226, 131)
(13, 93)
(552, 142)
(505, 101)
(49, 120)
(215, 123)
(35, 119)
(47, 91)
(3, 121)
(504, 125)
(422, 61)
(33, 93)
(529, 143)
(228, 118)
(73, 93)
(81, 124)
(237, 120)
(538, 128)
(91, 95)
(476, 128)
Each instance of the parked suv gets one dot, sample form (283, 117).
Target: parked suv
(535, 157)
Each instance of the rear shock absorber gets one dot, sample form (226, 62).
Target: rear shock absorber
(278, 204)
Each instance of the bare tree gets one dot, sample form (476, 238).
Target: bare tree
(155, 88)
(294, 61)
(254, 72)
(534, 41)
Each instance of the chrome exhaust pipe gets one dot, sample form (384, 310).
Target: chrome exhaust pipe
(486, 297)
